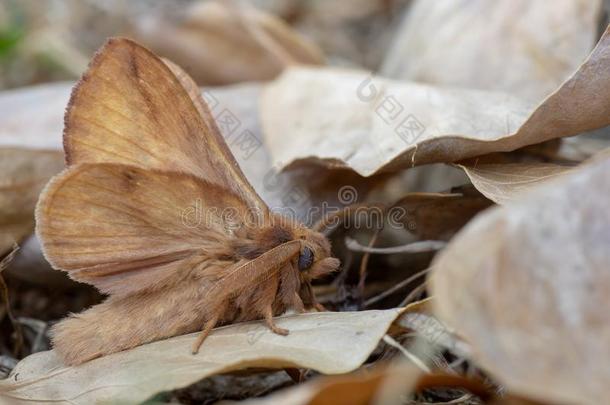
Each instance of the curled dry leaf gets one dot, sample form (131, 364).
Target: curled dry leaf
(531, 47)
(504, 182)
(330, 343)
(530, 280)
(222, 44)
(346, 119)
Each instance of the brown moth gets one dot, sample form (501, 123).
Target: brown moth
(141, 149)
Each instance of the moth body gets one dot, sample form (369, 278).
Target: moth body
(196, 297)
(143, 154)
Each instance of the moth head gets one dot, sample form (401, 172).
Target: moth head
(314, 260)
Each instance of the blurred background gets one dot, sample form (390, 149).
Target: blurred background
(43, 41)
(232, 41)
(522, 48)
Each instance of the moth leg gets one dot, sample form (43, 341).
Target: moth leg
(207, 328)
(315, 304)
(269, 321)
(297, 303)
(268, 294)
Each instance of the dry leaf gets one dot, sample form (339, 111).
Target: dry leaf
(505, 182)
(346, 119)
(529, 47)
(32, 117)
(330, 343)
(502, 180)
(222, 44)
(527, 285)
(23, 174)
(582, 147)
(31, 123)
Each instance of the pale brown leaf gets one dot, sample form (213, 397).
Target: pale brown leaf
(346, 119)
(505, 182)
(23, 174)
(521, 47)
(330, 343)
(528, 286)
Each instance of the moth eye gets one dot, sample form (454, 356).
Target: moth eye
(305, 259)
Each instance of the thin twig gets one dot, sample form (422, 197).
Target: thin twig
(416, 360)
(364, 263)
(415, 247)
(395, 288)
(5, 300)
(413, 294)
(457, 362)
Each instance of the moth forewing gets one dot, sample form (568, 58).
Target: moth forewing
(130, 108)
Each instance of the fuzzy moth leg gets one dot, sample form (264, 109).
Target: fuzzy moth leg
(243, 277)
(271, 324)
(297, 303)
(207, 328)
